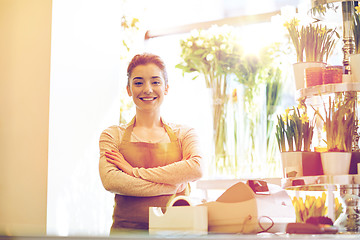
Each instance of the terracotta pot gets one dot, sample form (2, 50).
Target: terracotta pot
(333, 74)
(314, 76)
(299, 72)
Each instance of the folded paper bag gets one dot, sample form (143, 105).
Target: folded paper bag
(240, 210)
(180, 216)
(235, 211)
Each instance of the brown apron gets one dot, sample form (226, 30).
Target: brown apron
(133, 212)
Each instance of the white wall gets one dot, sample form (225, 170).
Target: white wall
(84, 101)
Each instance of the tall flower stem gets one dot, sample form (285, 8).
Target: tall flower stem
(220, 100)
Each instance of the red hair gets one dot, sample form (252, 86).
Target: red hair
(144, 59)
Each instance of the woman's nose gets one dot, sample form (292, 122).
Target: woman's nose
(148, 88)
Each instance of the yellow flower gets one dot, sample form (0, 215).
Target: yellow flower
(322, 30)
(357, 9)
(234, 95)
(287, 111)
(323, 197)
(295, 22)
(287, 24)
(304, 118)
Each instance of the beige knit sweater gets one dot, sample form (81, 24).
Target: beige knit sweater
(163, 180)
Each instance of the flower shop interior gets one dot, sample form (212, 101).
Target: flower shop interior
(271, 87)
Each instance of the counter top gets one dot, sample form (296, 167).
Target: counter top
(193, 237)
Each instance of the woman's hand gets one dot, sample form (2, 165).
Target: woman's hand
(118, 160)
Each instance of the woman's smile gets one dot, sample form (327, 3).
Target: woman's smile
(147, 98)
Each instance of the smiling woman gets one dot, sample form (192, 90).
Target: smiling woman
(146, 161)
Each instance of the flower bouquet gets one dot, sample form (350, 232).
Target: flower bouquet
(314, 207)
(214, 54)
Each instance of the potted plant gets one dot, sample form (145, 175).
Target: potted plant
(294, 134)
(339, 124)
(313, 45)
(355, 58)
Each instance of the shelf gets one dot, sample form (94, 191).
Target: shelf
(320, 183)
(328, 88)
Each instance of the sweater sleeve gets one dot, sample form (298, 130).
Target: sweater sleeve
(187, 170)
(116, 181)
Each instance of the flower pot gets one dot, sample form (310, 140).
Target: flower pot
(336, 163)
(297, 164)
(299, 72)
(355, 160)
(311, 162)
(354, 65)
(314, 76)
(291, 164)
(333, 74)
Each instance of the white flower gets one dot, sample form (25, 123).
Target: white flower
(209, 57)
(199, 42)
(189, 44)
(222, 46)
(195, 33)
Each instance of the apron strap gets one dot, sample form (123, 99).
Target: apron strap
(170, 132)
(129, 129)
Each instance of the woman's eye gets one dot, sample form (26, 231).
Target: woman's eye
(157, 83)
(137, 83)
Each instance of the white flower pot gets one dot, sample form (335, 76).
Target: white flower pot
(355, 67)
(292, 164)
(299, 72)
(336, 163)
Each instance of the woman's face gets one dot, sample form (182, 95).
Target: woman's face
(147, 87)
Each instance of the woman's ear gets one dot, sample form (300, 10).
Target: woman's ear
(128, 90)
(166, 89)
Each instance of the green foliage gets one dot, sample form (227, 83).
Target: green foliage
(315, 41)
(213, 53)
(339, 121)
(320, 7)
(319, 42)
(294, 132)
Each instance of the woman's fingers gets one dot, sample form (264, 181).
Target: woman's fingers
(112, 155)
